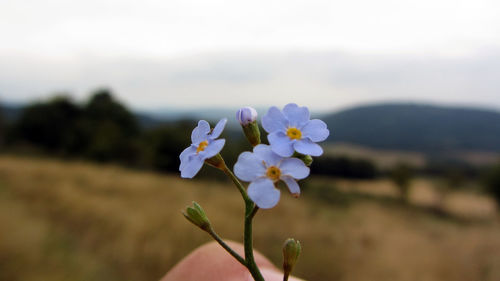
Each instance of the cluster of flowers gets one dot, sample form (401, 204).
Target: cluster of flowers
(291, 135)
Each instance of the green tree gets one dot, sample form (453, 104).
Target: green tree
(345, 167)
(111, 129)
(2, 127)
(402, 175)
(163, 145)
(492, 181)
(50, 125)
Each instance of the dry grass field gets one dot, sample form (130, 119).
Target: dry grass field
(382, 158)
(79, 221)
(388, 158)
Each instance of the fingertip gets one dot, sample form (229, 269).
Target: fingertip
(274, 275)
(212, 262)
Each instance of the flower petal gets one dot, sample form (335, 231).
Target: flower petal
(192, 167)
(199, 133)
(281, 144)
(293, 186)
(308, 147)
(274, 120)
(249, 167)
(184, 157)
(265, 152)
(315, 130)
(295, 168)
(297, 116)
(212, 148)
(218, 129)
(263, 193)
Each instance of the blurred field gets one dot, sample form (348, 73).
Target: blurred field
(382, 158)
(79, 221)
(388, 158)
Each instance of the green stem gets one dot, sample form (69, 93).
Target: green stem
(250, 212)
(226, 247)
(238, 184)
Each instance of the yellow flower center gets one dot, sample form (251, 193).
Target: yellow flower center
(294, 133)
(201, 146)
(273, 173)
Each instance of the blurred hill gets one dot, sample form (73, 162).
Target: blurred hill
(11, 112)
(405, 127)
(415, 127)
(420, 128)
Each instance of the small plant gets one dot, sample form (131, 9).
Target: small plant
(292, 140)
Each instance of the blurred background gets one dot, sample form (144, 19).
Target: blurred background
(98, 98)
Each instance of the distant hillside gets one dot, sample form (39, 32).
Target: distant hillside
(10, 112)
(417, 127)
(408, 127)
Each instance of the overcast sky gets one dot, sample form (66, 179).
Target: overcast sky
(325, 54)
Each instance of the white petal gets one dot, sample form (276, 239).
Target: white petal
(265, 152)
(297, 116)
(295, 168)
(315, 130)
(192, 167)
(308, 147)
(274, 120)
(185, 155)
(293, 186)
(249, 167)
(263, 193)
(281, 144)
(218, 129)
(199, 133)
(212, 148)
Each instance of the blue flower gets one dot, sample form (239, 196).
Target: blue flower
(291, 130)
(204, 146)
(263, 168)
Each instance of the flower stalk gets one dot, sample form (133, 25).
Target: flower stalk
(226, 247)
(250, 211)
(238, 184)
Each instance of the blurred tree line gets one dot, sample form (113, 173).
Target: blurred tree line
(104, 130)
(101, 129)
(346, 167)
(2, 128)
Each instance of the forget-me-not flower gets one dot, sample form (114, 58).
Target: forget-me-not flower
(204, 145)
(263, 168)
(291, 130)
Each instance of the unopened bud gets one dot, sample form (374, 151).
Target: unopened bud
(247, 116)
(197, 216)
(291, 252)
(307, 159)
